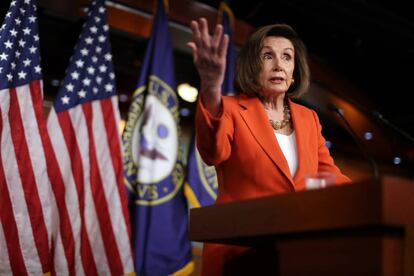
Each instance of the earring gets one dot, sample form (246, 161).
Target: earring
(293, 81)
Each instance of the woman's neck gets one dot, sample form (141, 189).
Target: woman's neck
(275, 103)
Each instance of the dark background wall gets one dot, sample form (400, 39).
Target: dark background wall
(361, 56)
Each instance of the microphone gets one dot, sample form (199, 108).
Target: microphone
(381, 118)
(367, 155)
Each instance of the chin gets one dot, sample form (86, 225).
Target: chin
(276, 91)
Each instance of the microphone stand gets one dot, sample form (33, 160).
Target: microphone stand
(381, 118)
(368, 156)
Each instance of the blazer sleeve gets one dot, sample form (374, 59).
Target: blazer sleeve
(325, 160)
(214, 135)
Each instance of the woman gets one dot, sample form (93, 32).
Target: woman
(260, 142)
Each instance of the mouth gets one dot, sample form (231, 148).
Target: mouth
(276, 80)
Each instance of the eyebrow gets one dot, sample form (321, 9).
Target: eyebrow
(270, 48)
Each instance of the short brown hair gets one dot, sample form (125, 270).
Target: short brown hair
(249, 64)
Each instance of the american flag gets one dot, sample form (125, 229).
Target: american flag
(25, 213)
(83, 126)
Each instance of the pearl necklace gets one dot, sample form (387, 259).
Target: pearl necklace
(286, 119)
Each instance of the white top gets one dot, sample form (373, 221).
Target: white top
(288, 145)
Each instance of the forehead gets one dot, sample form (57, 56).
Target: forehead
(277, 42)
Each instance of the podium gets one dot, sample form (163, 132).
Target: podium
(358, 229)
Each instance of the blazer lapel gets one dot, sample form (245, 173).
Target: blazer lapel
(300, 134)
(256, 120)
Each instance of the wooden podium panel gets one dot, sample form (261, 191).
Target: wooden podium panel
(359, 229)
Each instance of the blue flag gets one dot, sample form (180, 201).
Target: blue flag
(228, 24)
(153, 163)
(201, 188)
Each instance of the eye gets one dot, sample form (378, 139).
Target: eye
(286, 57)
(267, 56)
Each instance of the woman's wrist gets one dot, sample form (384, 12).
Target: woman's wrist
(211, 100)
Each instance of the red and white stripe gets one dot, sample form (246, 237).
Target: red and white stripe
(5, 267)
(25, 205)
(88, 146)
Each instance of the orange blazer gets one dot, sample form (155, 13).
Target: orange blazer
(242, 146)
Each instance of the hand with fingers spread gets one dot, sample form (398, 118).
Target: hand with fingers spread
(209, 56)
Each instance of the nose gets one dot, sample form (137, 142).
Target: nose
(277, 64)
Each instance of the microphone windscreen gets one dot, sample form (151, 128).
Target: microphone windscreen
(333, 107)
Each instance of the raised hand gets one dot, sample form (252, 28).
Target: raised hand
(209, 57)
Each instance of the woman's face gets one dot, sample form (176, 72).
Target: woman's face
(278, 62)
